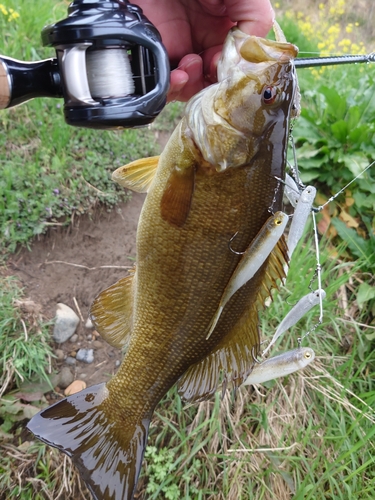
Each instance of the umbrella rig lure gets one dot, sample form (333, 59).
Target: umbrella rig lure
(301, 198)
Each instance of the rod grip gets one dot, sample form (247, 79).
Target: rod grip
(21, 81)
(5, 91)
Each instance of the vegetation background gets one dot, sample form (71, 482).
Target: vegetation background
(308, 436)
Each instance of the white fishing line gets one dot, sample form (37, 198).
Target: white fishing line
(109, 73)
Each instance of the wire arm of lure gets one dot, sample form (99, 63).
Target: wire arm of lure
(320, 208)
(309, 62)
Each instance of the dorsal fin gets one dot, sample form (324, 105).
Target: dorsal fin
(233, 358)
(112, 312)
(137, 175)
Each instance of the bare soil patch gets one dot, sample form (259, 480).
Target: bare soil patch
(50, 273)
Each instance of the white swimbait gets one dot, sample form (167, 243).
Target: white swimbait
(281, 365)
(302, 307)
(300, 216)
(252, 260)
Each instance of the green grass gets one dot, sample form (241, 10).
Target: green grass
(24, 351)
(308, 436)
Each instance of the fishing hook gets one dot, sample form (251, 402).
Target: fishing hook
(230, 246)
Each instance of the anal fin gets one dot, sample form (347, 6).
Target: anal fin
(230, 362)
(112, 312)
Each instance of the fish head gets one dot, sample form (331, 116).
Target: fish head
(252, 103)
(261, 76)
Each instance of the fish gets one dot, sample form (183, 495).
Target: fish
(217, 177)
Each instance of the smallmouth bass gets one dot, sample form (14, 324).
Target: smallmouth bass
(216, 178)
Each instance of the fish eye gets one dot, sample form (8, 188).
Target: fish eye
(269, 94)
(307, 355)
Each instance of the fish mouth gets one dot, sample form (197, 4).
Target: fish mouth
(251, 54)
(258, 50)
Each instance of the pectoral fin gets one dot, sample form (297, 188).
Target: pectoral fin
(178, 194)
(137, 175)
(112, 312)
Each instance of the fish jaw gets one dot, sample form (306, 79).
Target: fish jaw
(251, 104)
(241, 50)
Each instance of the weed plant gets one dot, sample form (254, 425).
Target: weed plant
(24, 349)
(335, 134)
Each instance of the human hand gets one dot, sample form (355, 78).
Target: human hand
(193, 32)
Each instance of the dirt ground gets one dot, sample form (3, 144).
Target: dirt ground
(50, 274)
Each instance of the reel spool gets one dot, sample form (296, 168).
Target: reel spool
(111, 68)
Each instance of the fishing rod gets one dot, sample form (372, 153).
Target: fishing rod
(309, 62)
(111, 67)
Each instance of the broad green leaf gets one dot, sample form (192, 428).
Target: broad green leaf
(365, 293)
(353, 117)
(335, 103)
(358, 134)
(357, 245)
(340, 130)
(356, 162)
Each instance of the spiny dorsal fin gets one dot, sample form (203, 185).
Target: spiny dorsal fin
(276, 270)
(112, 312)
(178, 194)
(137, 175)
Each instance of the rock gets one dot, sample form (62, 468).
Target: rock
(70, 361)
(89, 336)
(89, 324)
(65, 377)
(118, 362)
(59, 354)
(73, 338)
(76, 386)
(97, 344)
(66, 323)
(85, 355)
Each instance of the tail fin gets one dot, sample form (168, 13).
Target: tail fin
(105, 447)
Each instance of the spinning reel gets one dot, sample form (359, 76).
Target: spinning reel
(111, 67)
